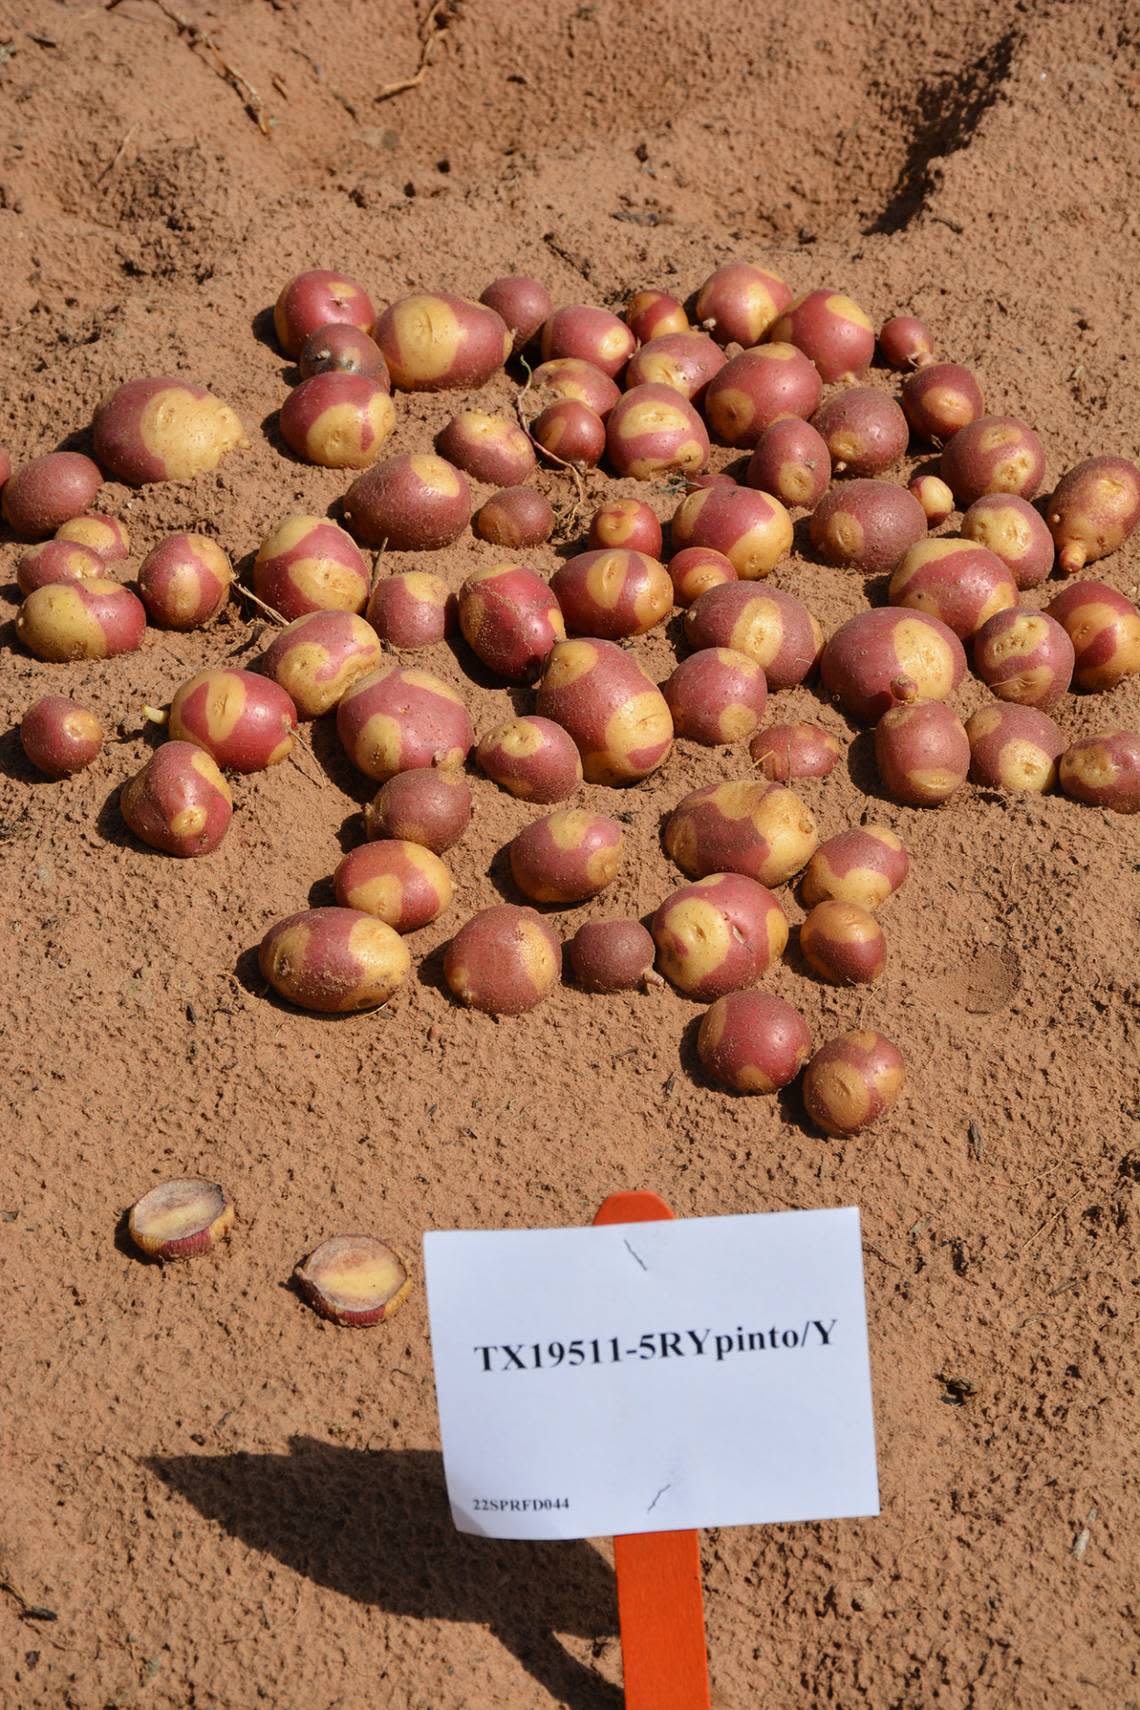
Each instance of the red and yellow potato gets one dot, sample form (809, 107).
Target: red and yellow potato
(179, 802)
(716, 696)
(59, 736)
(522, 303)
(843, 943)
(185, 581)
(718, 935)
(880, 657)
(416, 502)
(354, 1280)
(180, 1219)
(653, 314)
(412, 609)
(615, 713)
(569, 432)
(922, 752)
(752, 529)
(1013, 747)
(683, 362)
(399, 718)
(337, 420)
(532, 758)
(514, 517)
(940, 400)
(244, 721)
(954, 580)
(318, 656)
(864, 865)
(628, 523)
(1104, 770)
(584, 382)
(401, 883)
(745, 826)
(739, 302)
(566, 857)
(1025, 657)
(57, 561)
(50, 490)
(852, 1081)
(696, 569)
(105, 535)
(432, 341)
(339, 348)
(612, 593)
(488, 448)
(590, 335)
(92, 619)
(757, 388)
(319, 298)
(864, 430)
(163, 429)
(784, 752)
(791, 461)
(769, 626)
(934, 496)
(653, 430)
(504, 961)
(510, 619)
(333, 960)
(995, 454)
(752, 1042)
(867, 525)
(427, 806)
(611, 955)
(832, 330)
(308, 564)
(1104, 629)
(1013, 531)
(906, 342)
(1094, 509)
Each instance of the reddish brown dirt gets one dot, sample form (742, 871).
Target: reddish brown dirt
(227, 1502)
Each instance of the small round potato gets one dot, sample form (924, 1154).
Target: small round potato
(752, 1042)
(488, 448)
(716, 696)
(56, 561)
(751, 528)
(337, 420)
(852, 1081)
(568, 377)
(922, 752)
(612, 593)
(354, 1280)
(718, 935)
(179, 802)
(41, 495)
(653, 430)
(412, 609)
(791, 461)
(308, 564)
(106, 536)
(745, 826)
(684, 362)
(843, 943)
(92, 619)
(940, 400)
(434, 341)
(400, 883)
(612, 708)
(1094, 510)
(1025, 657)
(739, 302)
(653, 314)
(627, 523)
(1104, 770)
(566, 857)
(522, 303)
(864, 865)
(953, 580)
(905, 342)
(1013, 531)
(995, 454)
(400, 718)
(569, 432)
(185, 581)
(590, 335)
(785, 752)
(1013, 747)
(757, 388)
(318, 299)
(412, 503)
(864, 430)
(696, 569)
(867, 525)
(611, 955)
(514, 517)
(532, 758)
(333, 960)
(59, 736)
(832, 330)
(510, 619)
(1104, 629)
(867, 659)
(770, 627)
(428, 807)
(504, 961)
(934, 496)
(244, 721)
(343, 349)
(319, 656)
(163, 429)
(180, 1219)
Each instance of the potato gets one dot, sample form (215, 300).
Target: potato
(566, 857)
(612, 956)
(510, 619)
(1024, 657)
(414, 609)
(504, 961)
(245, 722)
(752, 529)
(318, 299)
(400, 883)
(939, 400)
(757, 388)
(343, 349)
(852, 1081)
(832, 330)
(179, 802)
(995, 454)
(185, 581)
(612, 593)
(433, 341)
(843, 943)
(791, 461)
(337, 420)
(696, 569)
(180, 1219)
(744, 826)
(739, 302)
(870, 657)
(333, 960)
(532, 758)
(685, 362)
(1013, 531)
(1104, 770)
(718, 935)
(772, 628)
(398, 719)
(922, 752)
(428, 806)
(610, 706)
(867, 525)
(934, 496)
(48, 491)
(320, 655)
(591, 335)
(489, 448)
(5, 465)
(59, 736)
(568, 377)
(354, 1280)
(569, 432)
(654, 314)
(654, 430)
(1013, 747)
(521, 302)
(163, 429)
(106, 536)
(716, 696)
(953, 580)
(53, 562)
(784, 752)
(93, 619)
(308, 564)
(517, 516)
(864, 430)
(415, 502)
(1104, 629)
(1094, 509)
(864, 865)
(906, 342)
(752, 1042)
(626, 523)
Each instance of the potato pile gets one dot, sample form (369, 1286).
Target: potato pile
(644, 396)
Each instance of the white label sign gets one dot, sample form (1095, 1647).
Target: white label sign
(646, 1377)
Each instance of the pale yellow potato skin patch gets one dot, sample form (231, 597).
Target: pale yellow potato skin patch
(431, 684)
(844, 534)
(433, 473)
(328, 585)
(1024, 766)
(643, 721)
(984, 722)
(923, 655)
(384, 961)
(699, 942)
(421, 585)
(842, 1090)
(335, 439)
(188, 434)
(288, 535)
(56, 609)
(845, 309)
(378, 747)
(519, 741)
(537, 955)
(427, 337)
(569, 662)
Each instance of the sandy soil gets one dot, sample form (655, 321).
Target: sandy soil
(226, 1502)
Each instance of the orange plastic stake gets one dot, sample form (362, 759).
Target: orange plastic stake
(660, 1608)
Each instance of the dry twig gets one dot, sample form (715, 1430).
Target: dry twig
(197, 37)
(270, 612)
(433, 27)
